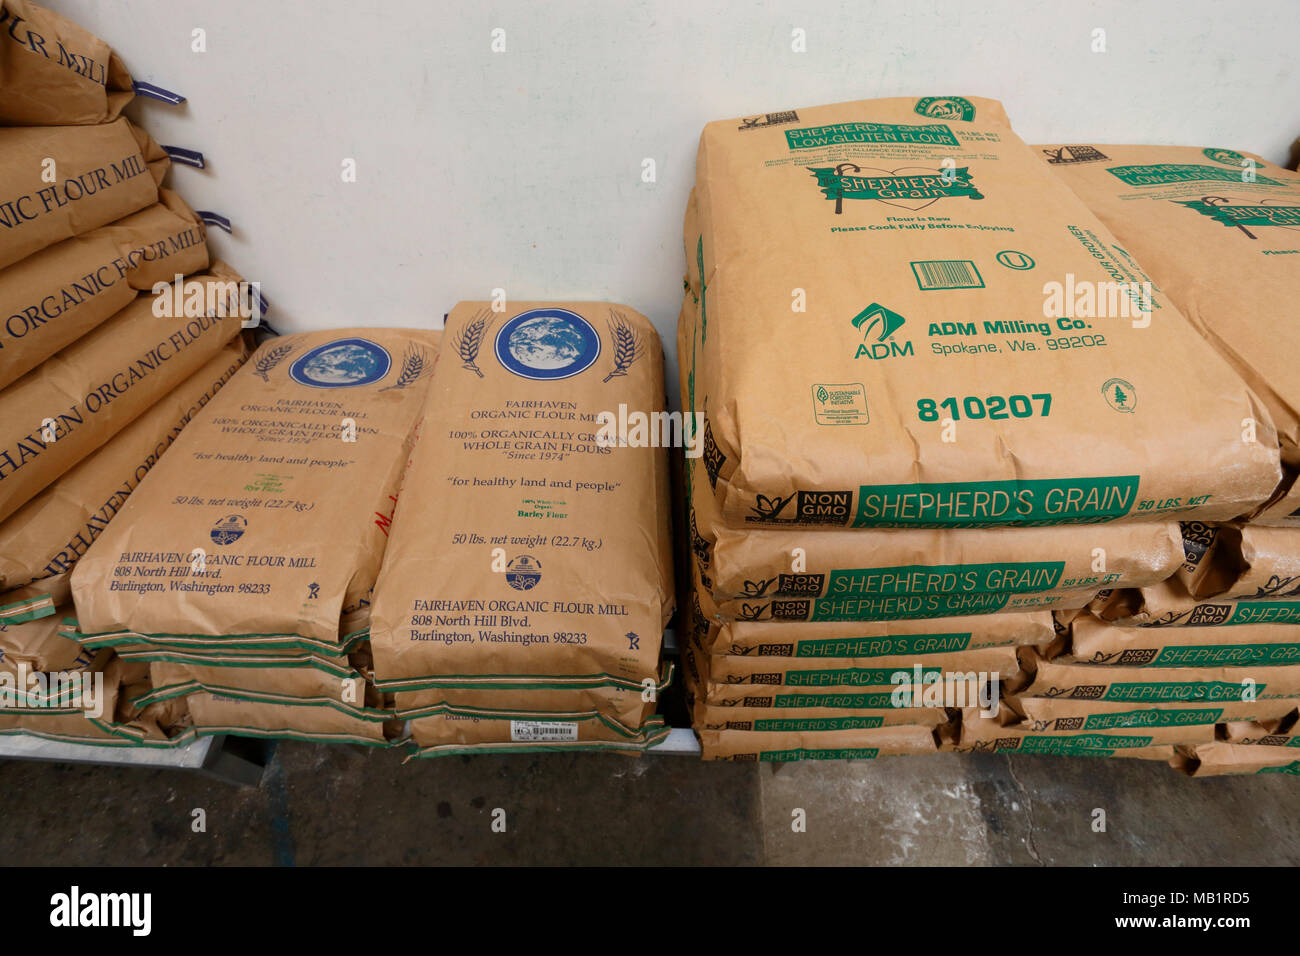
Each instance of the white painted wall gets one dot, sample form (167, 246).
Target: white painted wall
(522, 169)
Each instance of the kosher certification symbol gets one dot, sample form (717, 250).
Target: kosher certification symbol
(1120, 394)
(1015, 260)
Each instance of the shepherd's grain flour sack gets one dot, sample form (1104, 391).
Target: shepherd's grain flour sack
(44, 537)
(57, 295)
(54, 73)
(1249, 562)
(285, 483)
(1042, 713)
(881, 564)
(1169, 605)
(453, 733)
(859, 672)
(705, 716)
(58, 413)
(1067, 677)
(875, 347)
(778, 747)
(984, 735)
(911, 683)
(103, 173)
(529, 553)
(1217, 229)
(1219, 758)
(1096, 642)
(871, 638)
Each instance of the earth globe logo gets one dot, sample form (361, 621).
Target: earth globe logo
(547, 344)
(343, 363)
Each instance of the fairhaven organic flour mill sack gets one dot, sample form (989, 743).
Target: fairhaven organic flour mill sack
(529, 552)
(264, 524)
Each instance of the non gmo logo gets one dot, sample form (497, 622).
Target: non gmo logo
(523, 572)
(343, 363)
(229, 529)
(547, 344)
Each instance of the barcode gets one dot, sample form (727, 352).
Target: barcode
(947, 274)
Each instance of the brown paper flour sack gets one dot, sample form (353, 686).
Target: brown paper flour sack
(1057, 714)
(44, 538)
(450, 733)
(54, 296)
(917, 246)
(1096, 642)
(742, 745)
(1169, 605)
(1248, 562)
(213, 714)
(285, 483)
(101, 173)
(1219, 231)
(38, 644)
(532, 554)
(1079, 680)
(783, 563)
(1219, 758)
(54, 73)
(985, 735)
(57, 414)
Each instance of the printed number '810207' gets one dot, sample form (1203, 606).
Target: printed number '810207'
(996, 407)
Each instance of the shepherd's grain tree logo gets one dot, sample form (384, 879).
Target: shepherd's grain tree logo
(1246, 214)
(908, 187)
(878, 325)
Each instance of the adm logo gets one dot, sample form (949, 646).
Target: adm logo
(547, 344)
(878, 326)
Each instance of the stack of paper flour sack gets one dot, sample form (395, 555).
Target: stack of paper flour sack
(1219, 645)
(241, 573)
(528, 580)
(912, 452)
(97, 375)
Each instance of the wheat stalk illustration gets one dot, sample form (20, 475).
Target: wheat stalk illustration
(272, 357)
(412, 368)
(469, 339)
(628, 344)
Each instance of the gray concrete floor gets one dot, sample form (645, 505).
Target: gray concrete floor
(322, 804)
